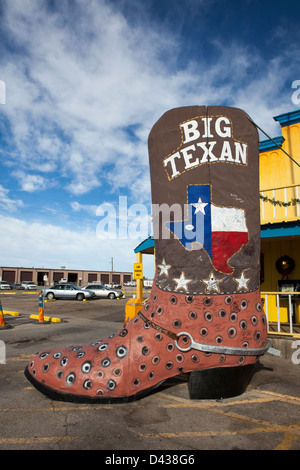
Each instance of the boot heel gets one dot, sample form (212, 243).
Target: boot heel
(222, 382)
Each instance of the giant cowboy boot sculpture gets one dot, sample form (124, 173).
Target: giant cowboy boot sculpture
(204, 316)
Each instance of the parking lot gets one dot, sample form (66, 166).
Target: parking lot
(266, 416)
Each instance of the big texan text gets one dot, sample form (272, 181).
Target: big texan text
(205, 140)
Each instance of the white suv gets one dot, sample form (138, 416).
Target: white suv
(4, 285)
(29, 285)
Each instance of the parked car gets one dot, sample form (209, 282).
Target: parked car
(4, 285)
(113, 285)
(29, 285)
(67, 291)
(17, 287)
(104, 292)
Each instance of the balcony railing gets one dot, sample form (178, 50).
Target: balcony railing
(280, 204)
(282, 311)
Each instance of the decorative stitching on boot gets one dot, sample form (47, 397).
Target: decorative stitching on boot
(157, 327)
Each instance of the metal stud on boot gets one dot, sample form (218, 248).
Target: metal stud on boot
(204, 316)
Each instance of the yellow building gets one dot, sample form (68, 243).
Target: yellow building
(280, 218)
(280, 223)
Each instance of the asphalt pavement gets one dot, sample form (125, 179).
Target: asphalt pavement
(166, 423)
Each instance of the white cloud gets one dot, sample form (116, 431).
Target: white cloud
(7, 203)
(35, 244)
(80, 83)
(90, 86)
(89, 208)
(95, 74)
(31, 183)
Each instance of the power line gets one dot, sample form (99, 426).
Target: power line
(272, 140)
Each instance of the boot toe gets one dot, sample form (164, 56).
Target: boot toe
(78, 372)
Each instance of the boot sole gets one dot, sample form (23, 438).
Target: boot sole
(207, 384)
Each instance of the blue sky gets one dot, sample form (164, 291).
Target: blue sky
(85, 82)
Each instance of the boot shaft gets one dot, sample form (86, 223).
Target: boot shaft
(205, 192)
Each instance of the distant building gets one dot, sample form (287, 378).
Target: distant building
(80, 277)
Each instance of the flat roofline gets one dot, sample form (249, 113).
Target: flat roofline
(91, 271)
(286, 119)
(266, 145)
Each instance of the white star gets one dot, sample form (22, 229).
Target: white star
(212, 283)
(199, 206)
(242, 282)
(182, 282)
(164, 268)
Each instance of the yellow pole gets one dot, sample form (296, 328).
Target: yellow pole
(41, 308)
(2, 322)
(3, 325)
(139, 282)
(133, 306)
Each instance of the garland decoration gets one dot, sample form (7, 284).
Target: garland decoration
(292, 202)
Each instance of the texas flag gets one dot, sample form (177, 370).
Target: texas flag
(221, 231)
